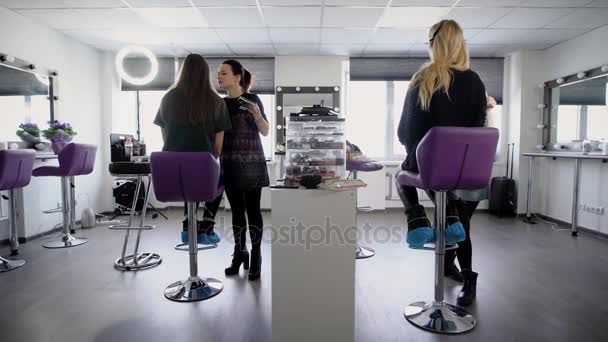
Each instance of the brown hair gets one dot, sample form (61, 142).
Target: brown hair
(238, 69)
(199, 101)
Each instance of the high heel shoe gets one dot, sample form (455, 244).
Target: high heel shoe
(256, 265)
(238, 258)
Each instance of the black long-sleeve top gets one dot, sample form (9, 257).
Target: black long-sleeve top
(465, 107)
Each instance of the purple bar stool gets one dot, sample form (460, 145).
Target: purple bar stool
(188, 177)
(449, 158)
(355, 166)
(74, 160)
(15, 172)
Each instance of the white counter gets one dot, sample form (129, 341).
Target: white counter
(313, 280)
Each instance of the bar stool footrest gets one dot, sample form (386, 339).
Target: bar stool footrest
(431, 247)
(121, 227)
(143, 261)
(439, 317)
(66, 241)
(52, 211)
(184, 247)
(9, 265)
(364, 252)
(194, 289)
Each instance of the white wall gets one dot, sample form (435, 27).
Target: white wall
(79, 91)
(554, 179)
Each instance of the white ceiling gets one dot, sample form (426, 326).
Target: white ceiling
(313, 27)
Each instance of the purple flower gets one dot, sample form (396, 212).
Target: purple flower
(29, 126)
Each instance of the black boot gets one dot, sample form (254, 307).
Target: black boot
(256, 264)
(238, 258)
(469, 289)
(450, 269)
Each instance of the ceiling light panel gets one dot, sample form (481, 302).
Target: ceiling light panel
(292, 16)
(412, 17)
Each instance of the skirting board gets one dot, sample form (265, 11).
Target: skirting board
(568, 225)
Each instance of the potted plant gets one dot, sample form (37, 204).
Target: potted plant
(29, 133)
(60, 134)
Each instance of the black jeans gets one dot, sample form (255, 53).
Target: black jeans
(209, 213)
(464, 210)
(246, 202)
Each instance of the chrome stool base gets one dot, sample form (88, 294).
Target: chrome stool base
(364, 252)
(66, 241)
(9, 265)
(142, 262)
(439, 317)
(194, 289)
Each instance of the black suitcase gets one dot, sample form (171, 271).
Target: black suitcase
(503, 192)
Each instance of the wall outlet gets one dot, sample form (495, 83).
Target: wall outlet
(592, 209)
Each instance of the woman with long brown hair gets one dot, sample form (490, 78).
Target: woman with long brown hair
(444, 92)
(193, 118)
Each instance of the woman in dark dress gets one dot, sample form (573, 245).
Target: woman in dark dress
(444, 92)
(244, 165)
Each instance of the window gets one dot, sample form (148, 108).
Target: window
(148, 101)
(267, 141)
(373, 111)
(20, 109)
(366, 116)
(597, 122)
(567, 122)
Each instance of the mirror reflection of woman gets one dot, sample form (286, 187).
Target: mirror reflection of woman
(244, 165)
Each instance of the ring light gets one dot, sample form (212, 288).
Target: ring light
(127, 50)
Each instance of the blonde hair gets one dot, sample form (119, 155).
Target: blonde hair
(448, 52)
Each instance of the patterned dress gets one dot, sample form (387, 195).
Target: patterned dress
(243, 159)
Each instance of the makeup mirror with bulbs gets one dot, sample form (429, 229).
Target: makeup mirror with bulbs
(576, 110)
(26, 96)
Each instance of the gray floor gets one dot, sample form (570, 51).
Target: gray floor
(536, 284)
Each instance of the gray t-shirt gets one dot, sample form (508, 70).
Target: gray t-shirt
(182, 137)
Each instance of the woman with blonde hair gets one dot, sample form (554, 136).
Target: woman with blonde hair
(444, 92)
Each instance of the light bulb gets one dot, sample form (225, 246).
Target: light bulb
(559, 80)
(581, 75)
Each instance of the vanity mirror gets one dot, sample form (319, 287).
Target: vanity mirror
(577, 111)
(26, 96)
